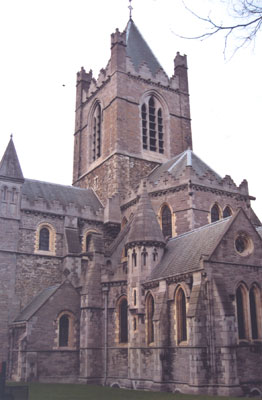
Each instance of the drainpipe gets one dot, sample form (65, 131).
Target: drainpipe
(105, 291)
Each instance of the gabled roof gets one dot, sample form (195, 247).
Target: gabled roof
(9, 166)
(138, 50)
(36, 303)
(145, 227)
(178, 164)
(183, 253)
(65, 195)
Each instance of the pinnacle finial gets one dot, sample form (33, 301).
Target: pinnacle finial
(11, 136)
(130, 9)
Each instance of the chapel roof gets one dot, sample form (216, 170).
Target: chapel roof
(36, 303)
(138, 50)
(9, 166)
(178, 164)
(144, 226)
(184, 252)
(65, 195)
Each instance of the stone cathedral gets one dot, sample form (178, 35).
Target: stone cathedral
(146, 273)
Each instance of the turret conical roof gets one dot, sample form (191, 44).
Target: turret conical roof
(145, 227)
(9, 166)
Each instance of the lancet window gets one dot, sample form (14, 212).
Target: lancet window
(215, 213)
(150, 308)
(122, 315)
(166, 218)
(181, 316)
(152, 125)
(227, 212)
(96, 144)
(242, 320)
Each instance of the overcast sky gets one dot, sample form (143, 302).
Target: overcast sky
(45, 42)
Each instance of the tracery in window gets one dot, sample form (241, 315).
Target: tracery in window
(242, 320)
(227, 212)
(181, 316)
(150, 308)
(96, 144)
(152, 125)
(123, 323)
(166, 219)
(215, 213)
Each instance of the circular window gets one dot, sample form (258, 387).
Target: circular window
(243, 244)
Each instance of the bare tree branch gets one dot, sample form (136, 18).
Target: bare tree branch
(246, 23)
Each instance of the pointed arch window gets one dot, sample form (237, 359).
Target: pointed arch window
(123, 323)
(181, 316)
(96, 144)
(215, 213)
(242, 321)
(227, 212)
(152, 125)
(166, 218)
(150, 308)
(254, 312)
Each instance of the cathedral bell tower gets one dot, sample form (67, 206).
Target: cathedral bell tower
(131, 119)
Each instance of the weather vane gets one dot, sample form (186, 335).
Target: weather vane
(130, 9)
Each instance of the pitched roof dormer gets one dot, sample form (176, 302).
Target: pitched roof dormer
(10, 169)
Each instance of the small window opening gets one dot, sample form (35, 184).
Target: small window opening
(166, 222)
(215, 214)
(241, 315)
(155, 255)
(150, 315)
(123, 334)
(63, 331)
(135, 297)
(253, 313)
(181, 316)
(134, 258)
(144, 255)
(134, 324)
(44, 237)
(88, 241)
(227, 212)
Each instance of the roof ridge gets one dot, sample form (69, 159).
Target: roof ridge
(200, 228)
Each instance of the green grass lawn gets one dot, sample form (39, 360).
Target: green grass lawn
(42, 391)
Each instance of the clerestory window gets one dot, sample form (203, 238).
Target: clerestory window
(152, 125)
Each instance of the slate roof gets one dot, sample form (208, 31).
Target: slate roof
(145, 227)
(73, 241)
(36, 303)
(138, 50)
(9, 165)
(178, 164)
(63, 194)
(259, 230)
(183, 253)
